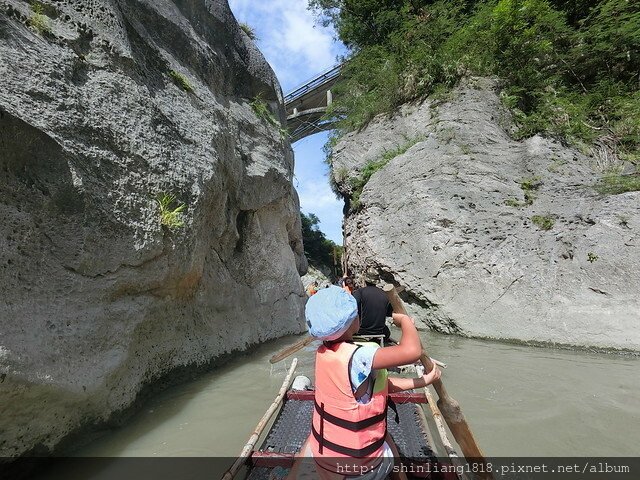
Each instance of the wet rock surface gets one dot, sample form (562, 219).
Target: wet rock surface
(490, 236)
(104, 108)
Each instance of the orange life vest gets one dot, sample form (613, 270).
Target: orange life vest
(342, 427)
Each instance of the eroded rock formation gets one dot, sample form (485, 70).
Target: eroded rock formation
(489, 236)
(104, 107)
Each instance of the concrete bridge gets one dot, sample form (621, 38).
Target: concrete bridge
(306, 105)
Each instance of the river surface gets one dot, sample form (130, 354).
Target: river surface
(518, 400)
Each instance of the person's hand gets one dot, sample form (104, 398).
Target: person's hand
(432, 376)
(399, 318)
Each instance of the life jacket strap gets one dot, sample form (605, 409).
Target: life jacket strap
(348, 424)
(321, 441)
(392, 405)
(352, 452)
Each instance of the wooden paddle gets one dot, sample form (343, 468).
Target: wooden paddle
(449, 407)
(291, 349)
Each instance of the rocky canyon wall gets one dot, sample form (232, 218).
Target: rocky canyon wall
(490, 236)
(105, 107)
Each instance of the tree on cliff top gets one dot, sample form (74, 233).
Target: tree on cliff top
(318, 249)
(570, 66)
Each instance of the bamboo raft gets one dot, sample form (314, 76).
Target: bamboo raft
(420, 456)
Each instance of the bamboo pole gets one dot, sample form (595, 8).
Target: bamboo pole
(248, 448)
(444, 437)
(448, 406)
(438, 362)
(291, 349)
(427, 428)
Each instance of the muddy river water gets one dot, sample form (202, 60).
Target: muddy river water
(519, 401)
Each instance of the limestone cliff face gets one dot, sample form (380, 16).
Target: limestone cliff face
(452, 221)
(104, 106)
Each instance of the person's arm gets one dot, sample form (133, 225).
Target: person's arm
(407, 351)
(397, 384)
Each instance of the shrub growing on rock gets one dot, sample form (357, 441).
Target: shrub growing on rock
(38, 19)
(171, 215)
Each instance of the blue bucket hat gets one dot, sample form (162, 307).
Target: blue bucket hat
(330, 312)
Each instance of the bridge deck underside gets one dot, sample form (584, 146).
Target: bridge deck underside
(307, 124)
(305, 112)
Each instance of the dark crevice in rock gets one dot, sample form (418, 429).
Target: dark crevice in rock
(601, 292)
(243, 226)
(504, 292)
(433, 316)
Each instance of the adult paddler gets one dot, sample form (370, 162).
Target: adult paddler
(373, 308)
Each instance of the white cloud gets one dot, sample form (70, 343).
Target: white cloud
(317, 196)
(296, 48)
(312, 43)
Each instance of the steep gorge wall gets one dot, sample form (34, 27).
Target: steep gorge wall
(98, 297)
(451, 221)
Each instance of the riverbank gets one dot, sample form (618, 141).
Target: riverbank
(557, 346)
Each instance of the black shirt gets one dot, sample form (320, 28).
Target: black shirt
(373, 308)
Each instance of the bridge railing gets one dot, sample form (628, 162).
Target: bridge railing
(312, 83)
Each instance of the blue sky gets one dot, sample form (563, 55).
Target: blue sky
(297, 49)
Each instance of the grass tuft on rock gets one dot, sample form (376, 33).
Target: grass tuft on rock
(261, 108)
(248, 30)
(616, 184)
(358, 183)
(181, 81)
(544, 222)
(529, 186)
(38, 20)
(171, 215)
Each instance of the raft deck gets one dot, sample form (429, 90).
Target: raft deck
(293, 425)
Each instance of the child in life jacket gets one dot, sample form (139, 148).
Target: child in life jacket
(349, 431)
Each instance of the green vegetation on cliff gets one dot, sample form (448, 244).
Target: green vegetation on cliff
(171, 215)
(39, 19)
(358, 183)
(181, 81)
(570, 67)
